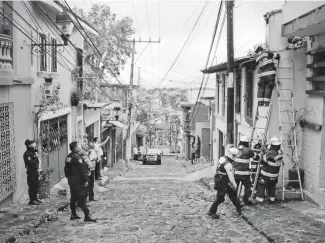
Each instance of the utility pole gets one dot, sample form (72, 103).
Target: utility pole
(230, 67)
(131, 98)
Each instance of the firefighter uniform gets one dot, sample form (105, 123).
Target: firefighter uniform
(266, 74)
(269, 173)
(32, 165)
(258, 150)
(223, 187)
(242, 172)
(76, 172)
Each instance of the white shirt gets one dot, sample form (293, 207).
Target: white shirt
(98, 149)
(93, 157)
(135, 150)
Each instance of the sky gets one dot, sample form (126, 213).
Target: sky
(172, 23)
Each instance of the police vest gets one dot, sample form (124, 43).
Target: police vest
(267, 65)
(223, 161)
(272, 164)
(242, 160)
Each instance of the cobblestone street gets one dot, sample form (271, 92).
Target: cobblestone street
(152, 203)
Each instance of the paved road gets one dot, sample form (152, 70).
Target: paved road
(149, 204)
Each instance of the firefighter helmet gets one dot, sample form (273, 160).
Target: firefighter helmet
(244, 139)
(233, 151)
(275, 141)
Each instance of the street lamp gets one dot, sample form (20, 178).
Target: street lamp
(117, 112)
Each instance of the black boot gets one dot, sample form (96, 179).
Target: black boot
(33, 203)
(39, 201)
(89, 219)
(261, 103)
(266, 103)
(213, 215)
(239, 209)
(74, 217)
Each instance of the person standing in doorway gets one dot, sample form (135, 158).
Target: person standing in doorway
(98, 148)
(93, 159)
(193, 151)
(32, 166)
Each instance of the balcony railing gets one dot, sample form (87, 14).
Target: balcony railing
(5, 52)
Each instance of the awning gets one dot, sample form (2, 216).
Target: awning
(309, 24)
(94, 105)
(118, 124)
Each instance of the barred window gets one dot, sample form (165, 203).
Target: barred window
(43, 53)
(54, 60)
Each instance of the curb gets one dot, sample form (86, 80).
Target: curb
(48, 215)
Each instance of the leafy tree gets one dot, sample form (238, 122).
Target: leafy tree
(111, 41)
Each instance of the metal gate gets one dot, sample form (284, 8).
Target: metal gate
(54, 146)
(7, 150)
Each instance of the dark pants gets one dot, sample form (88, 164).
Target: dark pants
(265, 88)
(78, 198)
(265, 184)
(221, 198)
(91, 183)
(97, 169)
(246, 182)
(193, 157)
(32, 182)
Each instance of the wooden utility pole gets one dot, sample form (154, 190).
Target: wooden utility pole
(131, 99)
(230, 66)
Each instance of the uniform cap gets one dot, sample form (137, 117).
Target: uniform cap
(244, 139)
(29, 142)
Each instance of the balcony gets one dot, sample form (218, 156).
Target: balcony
(6, 71)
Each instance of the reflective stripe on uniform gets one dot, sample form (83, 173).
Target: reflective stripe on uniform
(242, 172)
(265, 63)
(253, 166)
(266, 73)
(269, 174)
(264, 55)
(221, 173)
(238, 160)
(276, 164)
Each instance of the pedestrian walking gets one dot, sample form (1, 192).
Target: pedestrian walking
(76, 172)
(32, 166)
(93, 160)
(193, 151)
(270, 171)
(267, 61)
(98, 147)
(225, 183)
(241, 167)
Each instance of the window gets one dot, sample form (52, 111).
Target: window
(54, 62)
(80, 66)
(43, 53)
(221, 147)
(90, 130)
(223, 95)
(249, 96)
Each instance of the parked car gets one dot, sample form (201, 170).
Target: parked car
(152, 155)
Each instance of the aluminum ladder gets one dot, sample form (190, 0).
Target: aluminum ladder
(287, 126)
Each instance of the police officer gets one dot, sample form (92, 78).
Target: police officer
(270, 171)
(225, 183)
(241, 167)
(32, 167)
(76, 172)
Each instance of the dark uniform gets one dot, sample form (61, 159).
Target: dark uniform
(259, 150)
(76, 171)
(266, 74)
(32, 165)
(242, 172)
(269, 173)
(223, 186)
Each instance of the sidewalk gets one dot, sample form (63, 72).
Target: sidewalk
(296, 221)
(20, 219)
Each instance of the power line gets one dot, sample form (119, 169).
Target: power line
(207, 62)
(141, 53)
(148, 18)
(197, 20)
(136, 19)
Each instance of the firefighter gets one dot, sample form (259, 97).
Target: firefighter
(76, 172)
(267, 61)
(258, 149)
(225, 183)
(270, 171)
(241, 167)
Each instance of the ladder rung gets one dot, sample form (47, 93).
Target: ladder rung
(288, 191)
(292, 180)
(285, 100)
(284, 89)
(286, 111)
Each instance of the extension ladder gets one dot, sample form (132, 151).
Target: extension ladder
(286, 127)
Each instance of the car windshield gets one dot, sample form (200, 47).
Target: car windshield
(152, 151)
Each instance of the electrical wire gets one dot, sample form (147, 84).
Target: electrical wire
(195, 24)
(141, 53)
(135, 17)
(148, 19)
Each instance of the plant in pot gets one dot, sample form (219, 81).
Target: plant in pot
(76, 96)
(45, 182)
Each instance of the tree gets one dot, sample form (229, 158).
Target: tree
(111, 41)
